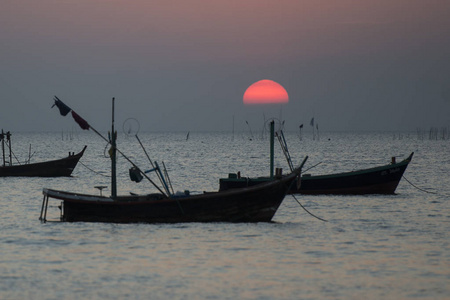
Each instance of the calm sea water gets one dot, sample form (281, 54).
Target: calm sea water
(372, 247)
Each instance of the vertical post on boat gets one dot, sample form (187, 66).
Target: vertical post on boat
(168, 178)
(42, 217)
(8, 139)
(113, 157)
(161, 176)
(3, 147)
(272, 125)
(42, 209)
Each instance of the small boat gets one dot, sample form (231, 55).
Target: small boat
(249, 204)
(54, 168)
(378, 180)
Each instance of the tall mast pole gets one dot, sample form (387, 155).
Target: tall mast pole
(113, 157)
(272, 125)
(8, 138)
(3, 148)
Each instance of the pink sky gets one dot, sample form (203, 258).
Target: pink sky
(232, 29)
(329, 55)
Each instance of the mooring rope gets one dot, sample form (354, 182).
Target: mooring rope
(418, 187)
(308, 211)
(311, 167)
(98, 173)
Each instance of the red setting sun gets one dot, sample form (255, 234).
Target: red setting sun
(265, 92)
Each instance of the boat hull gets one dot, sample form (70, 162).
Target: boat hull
(250, 204)
(378, 180)
(55, 168)
(382, 180)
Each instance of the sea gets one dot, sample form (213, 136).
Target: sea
(346, 247)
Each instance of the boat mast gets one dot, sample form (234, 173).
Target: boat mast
(113, 150)
(272, 125)
(113, 157)
(8, 143)
(3, 147)
(8, 139)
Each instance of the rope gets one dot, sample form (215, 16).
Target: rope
(418, 187)
(98, 173)
(312, 167)
(308, 211)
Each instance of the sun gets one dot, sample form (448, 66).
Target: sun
(265, 92)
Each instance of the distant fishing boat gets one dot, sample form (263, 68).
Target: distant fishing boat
(249, 204)
(377, 180)
(54, 168)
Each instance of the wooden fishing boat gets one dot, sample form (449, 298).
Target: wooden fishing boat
(53, 168)
(249, 204)
(378, 180)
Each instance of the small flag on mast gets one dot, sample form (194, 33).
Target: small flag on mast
(83, 124)
(64, 110)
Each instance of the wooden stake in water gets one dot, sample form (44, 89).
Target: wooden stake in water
(251, 133)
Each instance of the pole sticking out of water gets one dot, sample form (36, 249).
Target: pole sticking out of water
(251, 133)
(312, 124)
(232, 137)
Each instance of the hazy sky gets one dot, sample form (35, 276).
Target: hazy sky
(185, 65)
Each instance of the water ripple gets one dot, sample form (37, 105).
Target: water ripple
(373, 247)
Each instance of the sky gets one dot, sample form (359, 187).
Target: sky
(184, 65)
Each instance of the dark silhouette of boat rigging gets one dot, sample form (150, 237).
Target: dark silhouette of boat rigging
(248, 204)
